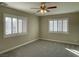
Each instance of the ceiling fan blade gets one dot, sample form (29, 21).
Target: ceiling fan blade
(35, 8)
(51, 7)
(36, 12)
(47, 10)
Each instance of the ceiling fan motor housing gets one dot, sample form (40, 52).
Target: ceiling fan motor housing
(43, 6)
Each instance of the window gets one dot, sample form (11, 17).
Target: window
(58, 25)
(50, 25)
(65, 25)
(55, 26)
(15, 25)
(7, 25)
(20, 25)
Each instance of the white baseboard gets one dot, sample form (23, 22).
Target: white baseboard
(17, 46)
(60, 41)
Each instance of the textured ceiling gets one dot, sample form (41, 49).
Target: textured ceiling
(62, 7)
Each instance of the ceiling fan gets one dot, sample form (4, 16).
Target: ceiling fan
(44, 9)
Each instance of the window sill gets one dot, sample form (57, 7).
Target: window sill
(14, 35)
(59, 32)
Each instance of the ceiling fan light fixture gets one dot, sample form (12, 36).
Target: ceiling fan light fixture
(43, 11)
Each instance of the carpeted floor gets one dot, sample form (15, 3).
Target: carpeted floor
(42, 48)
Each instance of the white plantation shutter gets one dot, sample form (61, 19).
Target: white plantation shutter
(20, 25)
(65, 23)
(55, 25)
(58, 25)
(15, 25)
(7, 25)
(50, 26)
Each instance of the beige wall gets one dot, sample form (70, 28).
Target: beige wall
(73, 27)
(33, 26)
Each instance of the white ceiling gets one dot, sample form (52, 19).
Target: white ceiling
(62, 7)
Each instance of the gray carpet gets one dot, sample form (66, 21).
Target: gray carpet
(42, 48)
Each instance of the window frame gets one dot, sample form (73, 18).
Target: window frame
(13, 34)
(57, 25)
